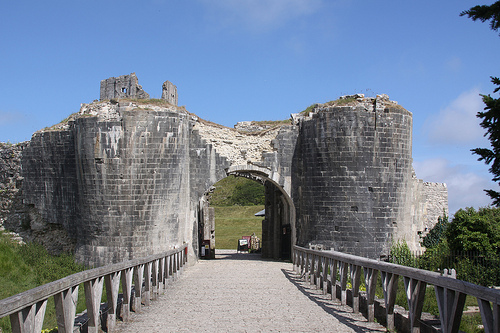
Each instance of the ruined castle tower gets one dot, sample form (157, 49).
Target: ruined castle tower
(169, 93)
(125, 86)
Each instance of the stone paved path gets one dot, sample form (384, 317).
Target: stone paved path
(242, 293)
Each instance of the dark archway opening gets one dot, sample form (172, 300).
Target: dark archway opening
(277, 225)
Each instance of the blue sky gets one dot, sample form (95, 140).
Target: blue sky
(235, 60)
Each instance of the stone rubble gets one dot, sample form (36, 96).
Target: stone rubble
(238, 147)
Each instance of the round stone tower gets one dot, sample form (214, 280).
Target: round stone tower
(351, 174)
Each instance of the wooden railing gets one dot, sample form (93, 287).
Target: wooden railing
(322, 268)
(150, 274)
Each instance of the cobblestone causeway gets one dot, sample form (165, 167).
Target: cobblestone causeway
(243, 293)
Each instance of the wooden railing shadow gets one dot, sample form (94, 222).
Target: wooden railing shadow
(341, 313)
(330, 271)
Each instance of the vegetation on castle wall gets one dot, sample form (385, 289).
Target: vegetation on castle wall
(272, 123)
(309, 109)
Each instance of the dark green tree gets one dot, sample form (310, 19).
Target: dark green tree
(248, 194)
(436, 234)
(472, 230)
(239, 191)
(491, 114)
(485, 13)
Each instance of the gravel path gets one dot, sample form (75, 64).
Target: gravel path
(243, 293)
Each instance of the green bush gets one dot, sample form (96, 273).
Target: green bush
(436, 257)
(436, 234)
(23, 267)
(237, 191)
(472, 230)
(401, 254)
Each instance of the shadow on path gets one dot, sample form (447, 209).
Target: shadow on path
(234, 255)
(343, 313)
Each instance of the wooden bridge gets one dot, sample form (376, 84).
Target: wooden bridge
(319, 291)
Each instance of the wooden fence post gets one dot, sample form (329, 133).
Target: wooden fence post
(390, 287)
(138, 281)
(371, 285)
(127, 275)
(65, 303)
(112, 282)
(93, 294)
(30, 319)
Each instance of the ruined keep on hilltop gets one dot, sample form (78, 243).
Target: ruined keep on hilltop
(124, 178)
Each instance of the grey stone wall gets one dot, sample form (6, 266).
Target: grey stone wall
(125, 86)
(124, 187)
(429, 201)
(169, 93)
(124, 179)
(10, 185)
(351, 174)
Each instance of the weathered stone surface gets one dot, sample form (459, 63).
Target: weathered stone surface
(124, 179)
(352, 176)
(24, 221)
(169, 93)
(429, 201)
(10, 183)
(125, 86)
(251, 126)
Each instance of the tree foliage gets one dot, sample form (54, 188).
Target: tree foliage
(239, 191)
(472, 230)
(469, 243)
(485, 13)
(491, 114)
(435, 235)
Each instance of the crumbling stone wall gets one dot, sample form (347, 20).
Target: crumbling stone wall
(125, 86)
(169, 93)
(23, 218)
(429, 202)
(10, 183)
(124, 179)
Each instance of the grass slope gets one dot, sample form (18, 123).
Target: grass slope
(232, 222)
(23, 267)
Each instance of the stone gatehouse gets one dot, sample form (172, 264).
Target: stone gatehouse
(126, 176)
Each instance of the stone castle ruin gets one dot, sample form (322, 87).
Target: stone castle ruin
(127, 86)
(124, 177)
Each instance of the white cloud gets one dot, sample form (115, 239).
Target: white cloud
(465, 188)
(457, 123)
(9, 118)
(259, 15)
(454, 64)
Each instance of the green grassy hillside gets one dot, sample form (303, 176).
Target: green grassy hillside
(239, 191)
(232, 222)
(23, 267)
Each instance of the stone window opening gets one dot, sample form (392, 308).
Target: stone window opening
(124, 90)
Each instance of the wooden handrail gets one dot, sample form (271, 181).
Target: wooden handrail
(27, 309)
(322, 267)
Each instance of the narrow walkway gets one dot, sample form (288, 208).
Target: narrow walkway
(243, 293)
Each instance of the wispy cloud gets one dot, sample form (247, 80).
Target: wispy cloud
(453, 64)
(457, 123)
(9, 118)
(465, 188)
(258, 15)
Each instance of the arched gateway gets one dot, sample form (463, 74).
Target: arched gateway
(125, 176)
